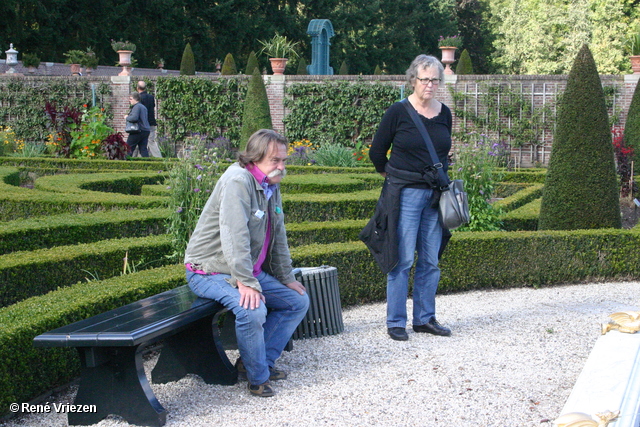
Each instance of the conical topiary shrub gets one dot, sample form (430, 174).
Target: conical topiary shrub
(581, 189)
(464, 63)
(344, 69)
(188, 63)
(377, 71)
(632, 126)
(252, 63)
(302, 67)
(256, 109)
(229, 66)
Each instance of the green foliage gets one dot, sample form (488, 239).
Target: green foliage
(633, 43)
(302, 67)
(344, 69)
(464, 63)
(252, 63)
(279, 46)
(197, 105)
(74, 56)
(476, 164)
(339, 112)
(331, 154)
(191, 181)
(188, 63)
(257, 114)
(89, 135)
(90, 59)
(30, 60)
(450, 41)
(122, 45)
(632, 125)
(229, 66)
(581, 189)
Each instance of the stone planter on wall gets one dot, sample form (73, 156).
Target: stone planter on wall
(635, 63)
(124, 60)
(448, 58)
(278, 65)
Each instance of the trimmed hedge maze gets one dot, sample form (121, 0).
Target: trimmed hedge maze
(64, 242)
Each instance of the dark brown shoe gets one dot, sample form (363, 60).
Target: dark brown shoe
(262, 390)
(433, 327)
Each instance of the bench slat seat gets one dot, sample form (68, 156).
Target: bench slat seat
(111, 345)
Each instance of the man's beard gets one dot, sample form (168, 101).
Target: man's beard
(277, 172)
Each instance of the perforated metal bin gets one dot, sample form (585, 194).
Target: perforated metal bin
(325, 312)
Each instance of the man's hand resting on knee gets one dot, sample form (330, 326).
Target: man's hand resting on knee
(249, 297)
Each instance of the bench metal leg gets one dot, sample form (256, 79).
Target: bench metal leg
(196, 350)
(113, 380)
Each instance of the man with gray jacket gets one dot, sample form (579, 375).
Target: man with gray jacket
(238, 255)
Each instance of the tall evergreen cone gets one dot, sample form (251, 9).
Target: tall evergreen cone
(188, 63)
(377, 71)
(632, 126)
(344, 69)
(302, 67)
(256, 109)
(252, 63)
(229, 66)
(581, 187)
(464, 63)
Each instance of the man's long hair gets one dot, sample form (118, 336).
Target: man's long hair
(258, 146)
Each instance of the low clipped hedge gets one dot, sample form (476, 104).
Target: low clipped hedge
(523, 218)
(69, 229)
(115, 182)
(520, 198)
(330, 207)
(27, 371)
(306, 233)
(62, 164)
(18, 202)
(30, 273)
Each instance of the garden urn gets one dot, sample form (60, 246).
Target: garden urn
(278, 65)
(124, 61)
(448, 58)
(635, 63)
(75, 69)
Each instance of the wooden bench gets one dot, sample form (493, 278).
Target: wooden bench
(111, 346)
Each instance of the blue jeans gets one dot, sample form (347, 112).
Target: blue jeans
(419, 230)
(261, 336)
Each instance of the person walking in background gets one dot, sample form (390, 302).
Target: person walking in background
(138, 114)
(410, 195)
(149, 101)
(238, 255)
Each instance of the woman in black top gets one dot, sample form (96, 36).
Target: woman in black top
(418, 226)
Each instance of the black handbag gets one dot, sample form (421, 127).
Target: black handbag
(132, 127)
(453, 207)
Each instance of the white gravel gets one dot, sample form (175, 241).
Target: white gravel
(512, 361)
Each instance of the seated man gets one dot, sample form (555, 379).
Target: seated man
(238, 255)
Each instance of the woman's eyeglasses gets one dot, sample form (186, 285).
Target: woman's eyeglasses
(427, 80)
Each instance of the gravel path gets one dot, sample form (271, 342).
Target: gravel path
(512, 360)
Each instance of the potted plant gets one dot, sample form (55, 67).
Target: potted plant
(633, 45)
(279, 49)
(448, 45)
(124, 50)
(74, 58)
(90, 60)
(31, 61)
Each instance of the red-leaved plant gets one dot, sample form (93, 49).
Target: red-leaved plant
(114, 147)
(623, 155)
(60, 124)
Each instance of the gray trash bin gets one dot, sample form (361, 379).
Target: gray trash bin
(325, 312)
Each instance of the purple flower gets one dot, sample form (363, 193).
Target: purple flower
(179, 210)
(199, 177)
(168, 187)
(196, 190)
(199, 167)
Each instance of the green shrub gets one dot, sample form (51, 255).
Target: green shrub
(344, 69)
(331, 154)
(524, 217)
(302, 67)
(229, 66)
(632, 125)
(69, 229)
(257, 114)
(188, 63)
(252, 63)
(464, 63)
(581, 189)
(22, 274)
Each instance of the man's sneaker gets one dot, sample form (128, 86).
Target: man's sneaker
(433, 327)
(262, 390)
(398, 334)
(274, 374)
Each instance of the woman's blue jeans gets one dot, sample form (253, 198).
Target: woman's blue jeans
(419, 230)
(261, 335)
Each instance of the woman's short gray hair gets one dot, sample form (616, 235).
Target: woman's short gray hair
(420, 63)
(258, 146)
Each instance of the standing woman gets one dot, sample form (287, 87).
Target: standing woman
(139, 115)
(411, 191)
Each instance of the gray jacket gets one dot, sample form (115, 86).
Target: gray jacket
(232, 228)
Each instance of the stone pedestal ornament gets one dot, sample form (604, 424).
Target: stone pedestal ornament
(125, 61)
(12, 59)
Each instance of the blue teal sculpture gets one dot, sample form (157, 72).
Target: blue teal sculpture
(320, 31)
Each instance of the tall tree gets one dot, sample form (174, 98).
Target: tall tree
(257, 114)
(581, 187)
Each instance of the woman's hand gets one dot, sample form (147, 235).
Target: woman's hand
(249, 297)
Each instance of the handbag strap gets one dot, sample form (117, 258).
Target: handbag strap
(442, 176)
